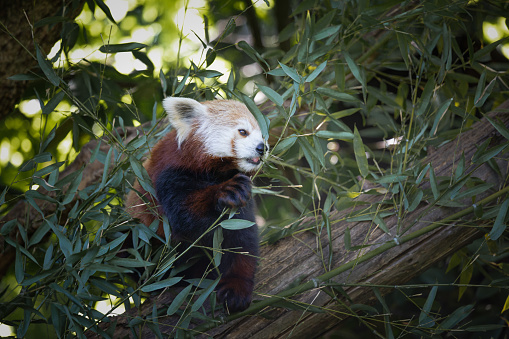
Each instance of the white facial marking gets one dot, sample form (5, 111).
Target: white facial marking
(227, 140)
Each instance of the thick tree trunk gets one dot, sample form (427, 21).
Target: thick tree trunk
(17, 36)
(433, 234)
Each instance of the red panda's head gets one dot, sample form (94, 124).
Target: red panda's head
(225, 128)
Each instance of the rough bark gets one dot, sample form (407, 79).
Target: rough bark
(298, 256)
(17, 36)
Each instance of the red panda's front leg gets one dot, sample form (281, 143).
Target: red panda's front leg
(238, 263)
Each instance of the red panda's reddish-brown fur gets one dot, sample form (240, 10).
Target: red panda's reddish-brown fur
(198, 170)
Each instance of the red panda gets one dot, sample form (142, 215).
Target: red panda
(200, 168)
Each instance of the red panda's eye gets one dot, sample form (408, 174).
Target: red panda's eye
(243, 132)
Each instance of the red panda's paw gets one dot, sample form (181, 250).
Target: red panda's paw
(235, 293)
(235, 192)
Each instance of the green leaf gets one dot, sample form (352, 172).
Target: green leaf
(337, 95)
(434, 184)
(236, 224)
(23, 77)
(39, 234)
(260, 118)
(272, 95)
(251, 52)
(178, 301)
(312, 76)
(205, 294)
(347, 239)
(216, 244)
(47, 67)
(127, 262)
(499, 127)
(360, 154)
(426, 96)
(415, 200)
(391, 178)
(182, 83)
(164, 84)
(285, 144)
(19, 268)
(485, 328)
(125, 47)
(107, 162)
(161, 284)
(105, 9)
(500, 226)
(326, 32)
(335, 135)
(465, 277)
(354, 68)
(439, 115)
(458, 315)
(484, 94)
(425, 320)
(292, 73)
(48, 169)
(50, 106)
(230, 27)
(485, 155)
(381, 224)
(488, 49)
(8, 227)
(67, 294)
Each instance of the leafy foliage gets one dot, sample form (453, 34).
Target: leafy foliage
(356, 76)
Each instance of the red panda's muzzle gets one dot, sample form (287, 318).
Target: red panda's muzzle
(254, 161)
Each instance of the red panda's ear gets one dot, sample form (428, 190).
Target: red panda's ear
(182, 113)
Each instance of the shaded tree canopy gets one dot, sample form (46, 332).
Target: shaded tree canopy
(382, 153)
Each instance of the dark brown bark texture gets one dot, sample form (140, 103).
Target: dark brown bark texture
(17, 36)
(300, 257)
(303, 255)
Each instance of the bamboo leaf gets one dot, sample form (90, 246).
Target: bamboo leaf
(52, 104)
(199, 302)
(162, 79)
(499, 127)
(337, 95)
(179, 300)
(291, 72)
(260, 118)
(161, 284)
(499, 226)
(434, 184)
(425, 319)
(326, 32)
(335, 135)
(216, 244)
(426, 96)
(47, 67)
(316, 72)
(360, 154)
(272, 95)
(506, 305)
(485, 155)
(119, 48)
(236, 224)
(354, 68)
(105, 9)
(286, 143)
(439, 115)
(465, 277)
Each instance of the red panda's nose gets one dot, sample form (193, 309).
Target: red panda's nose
(260, 148)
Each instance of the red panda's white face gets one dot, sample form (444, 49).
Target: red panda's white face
(226, 128)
